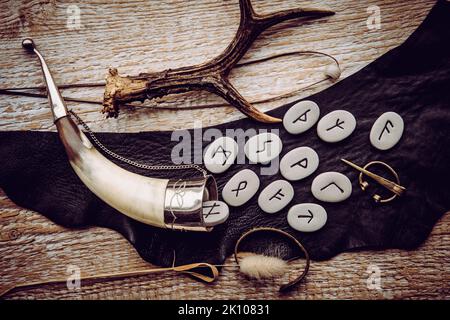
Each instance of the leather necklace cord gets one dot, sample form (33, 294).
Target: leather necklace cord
(21, 91)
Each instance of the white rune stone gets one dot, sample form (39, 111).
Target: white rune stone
(215, 212)
(307, 217)
(299, 163)
(240, 188)
(301, 117)
(386, 131)
(275, 196)
(263, 147)
(331, 187)
(336, 126)
(220, 154)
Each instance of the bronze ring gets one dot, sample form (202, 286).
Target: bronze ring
(363, 184)
(292, 283)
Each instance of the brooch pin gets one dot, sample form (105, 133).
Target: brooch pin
(392, 186)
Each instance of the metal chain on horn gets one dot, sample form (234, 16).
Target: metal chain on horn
(131, 162)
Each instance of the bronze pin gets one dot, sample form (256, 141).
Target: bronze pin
(394, 187)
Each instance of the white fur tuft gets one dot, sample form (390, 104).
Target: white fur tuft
(261, 267)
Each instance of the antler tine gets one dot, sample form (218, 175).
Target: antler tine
(211, 76)
(227, 91)
(248, 14)
(271, 19)
(246, 9)
(253, 24)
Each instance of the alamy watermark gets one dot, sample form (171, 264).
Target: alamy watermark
(74, 278)
(374, 20)
(374, 280)
(190, 147)
(73, 21)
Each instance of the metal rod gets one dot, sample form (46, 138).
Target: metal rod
(390, 185)
(54, 97)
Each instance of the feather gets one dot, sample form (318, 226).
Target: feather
(261, 267)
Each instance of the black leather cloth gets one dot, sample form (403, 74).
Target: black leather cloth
(412, 80)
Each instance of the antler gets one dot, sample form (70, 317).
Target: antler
(211, 76)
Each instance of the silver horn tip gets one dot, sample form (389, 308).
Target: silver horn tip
(28, 44)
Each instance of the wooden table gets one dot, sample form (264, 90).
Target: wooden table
(152, 35)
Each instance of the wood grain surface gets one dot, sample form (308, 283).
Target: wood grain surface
(137, 36)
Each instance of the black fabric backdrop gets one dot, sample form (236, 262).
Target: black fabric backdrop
(412, 80)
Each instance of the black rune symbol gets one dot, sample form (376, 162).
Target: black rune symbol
(226, 153)
(302, 163)
(337, 125)
(241, 186)
(386, 128)
(303, 117)
(277, 195)
(310, 216)
(330, 184)
(211, 208)
(264, 146)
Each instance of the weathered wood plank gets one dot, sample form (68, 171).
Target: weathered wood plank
(171, 34)
(164, 35)
(43, 251)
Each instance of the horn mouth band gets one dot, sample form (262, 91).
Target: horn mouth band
(183, 208)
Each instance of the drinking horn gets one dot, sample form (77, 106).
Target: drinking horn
(164, 203)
